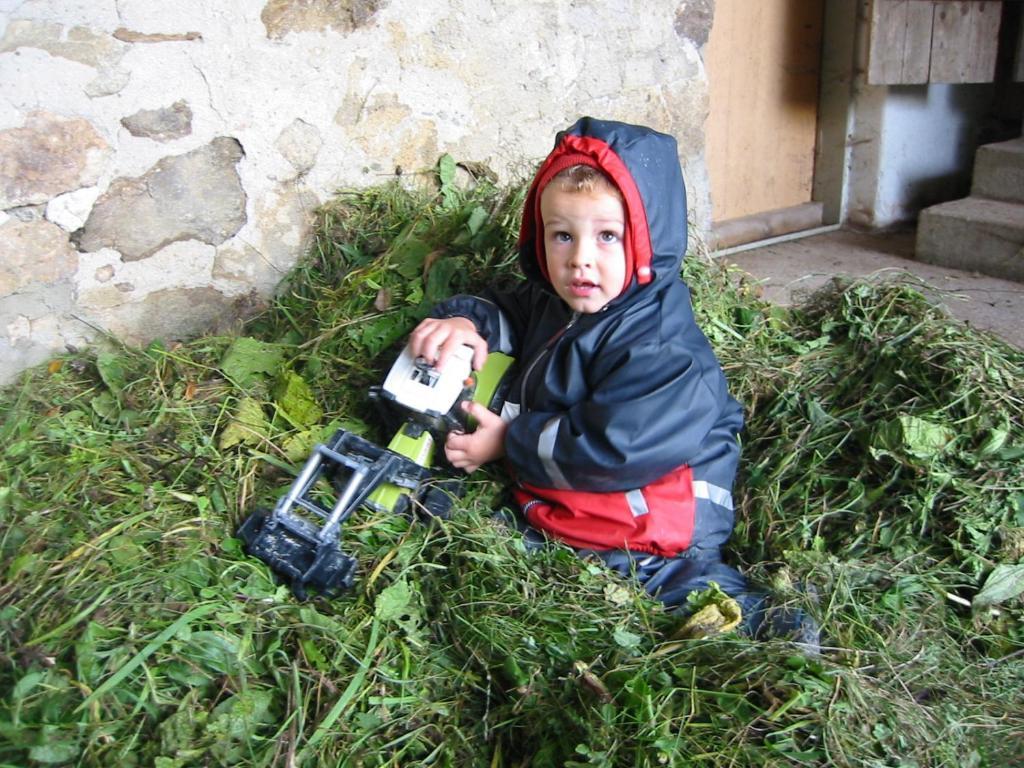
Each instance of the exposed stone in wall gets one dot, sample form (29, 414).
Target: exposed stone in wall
(69, 211)
(170, 313)
(693, 20)
(283, 16)
(86, 46)
(131, 36)
(195, 196)
(381, 127)
(104, 281)
(108, 82)
(299, 143)
(168, 296)
(165, 124)
(47, 156)
(284, 220)
(33, 252)
(36, 322)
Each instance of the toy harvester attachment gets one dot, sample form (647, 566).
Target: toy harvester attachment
(300, 538)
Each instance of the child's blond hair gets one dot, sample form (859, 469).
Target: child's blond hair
(586, 179)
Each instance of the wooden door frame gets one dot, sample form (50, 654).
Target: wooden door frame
(843, 38)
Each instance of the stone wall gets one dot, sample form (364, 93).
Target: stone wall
(160, 162)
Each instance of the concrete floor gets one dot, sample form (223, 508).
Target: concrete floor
(788, 269)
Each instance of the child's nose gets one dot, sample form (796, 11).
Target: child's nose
(582, 254)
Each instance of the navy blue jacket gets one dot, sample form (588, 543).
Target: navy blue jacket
(626, 434)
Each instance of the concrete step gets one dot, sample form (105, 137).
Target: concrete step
(999, 171)
(974, 234)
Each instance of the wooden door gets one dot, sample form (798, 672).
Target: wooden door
(763, 60)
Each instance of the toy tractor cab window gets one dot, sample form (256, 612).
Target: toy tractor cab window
(424, 374)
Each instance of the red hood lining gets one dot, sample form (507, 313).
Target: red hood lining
(587, 150)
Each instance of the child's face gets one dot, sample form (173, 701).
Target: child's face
(583, 245)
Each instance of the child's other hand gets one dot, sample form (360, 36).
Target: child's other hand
(435, 339)
(470, 450)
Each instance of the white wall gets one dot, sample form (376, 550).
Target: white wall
(918, 150)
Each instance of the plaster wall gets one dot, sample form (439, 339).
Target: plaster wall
(921, 149)
(160, 162)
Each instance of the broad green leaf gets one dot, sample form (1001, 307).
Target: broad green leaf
(235, 721)
(328, 624)
(106, 406)
(626, 639)
(295, 399)
(54, 751)
(408, 255)
(393, 602)
(477, 218)
(214, 651)
(1004, 583)
(27, 563)
(380, 333)
(924, 438)
(179, 731)
(911, 435)
(313, 654)
(26, 685)
(88, 662)
(248, 427)
(298, 446)
(111, 371)
(446, 172)
(151, 647)
(439, 280)
(994, 442)
(248, 359)
(618, 594)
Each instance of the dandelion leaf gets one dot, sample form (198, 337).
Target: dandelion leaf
(393, 602)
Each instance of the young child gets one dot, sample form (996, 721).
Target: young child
(619, 430)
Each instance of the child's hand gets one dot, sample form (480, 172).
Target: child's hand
(470, 450)
(435, 339)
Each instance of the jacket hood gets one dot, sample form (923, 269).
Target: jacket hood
(644, 165)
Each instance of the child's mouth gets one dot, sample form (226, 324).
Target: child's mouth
(582, 288)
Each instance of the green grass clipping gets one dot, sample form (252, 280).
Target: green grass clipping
(881, 489)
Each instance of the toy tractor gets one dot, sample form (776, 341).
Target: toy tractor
(300, 538)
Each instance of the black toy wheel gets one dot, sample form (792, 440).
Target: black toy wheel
(438, 499)
(250, 528)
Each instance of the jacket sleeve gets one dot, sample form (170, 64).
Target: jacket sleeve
(500, 318)
(651, 411)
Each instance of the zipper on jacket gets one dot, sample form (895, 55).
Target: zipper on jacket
(543, 351)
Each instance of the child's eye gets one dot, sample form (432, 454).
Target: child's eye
(608, 236)
(561, 237)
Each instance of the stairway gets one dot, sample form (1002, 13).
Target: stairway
(984, 232)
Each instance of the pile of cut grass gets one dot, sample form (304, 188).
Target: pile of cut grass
(882, 488)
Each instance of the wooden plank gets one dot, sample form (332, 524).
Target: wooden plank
(965, 41)
(761, 226)
(900, 42)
